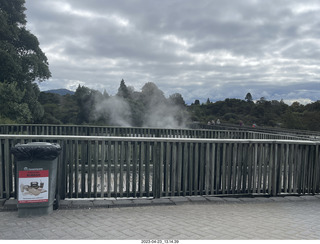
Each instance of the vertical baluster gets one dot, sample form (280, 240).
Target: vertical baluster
(315, 187)
(70, 165)
(128, 168)
(109, 159)
(179, 168)
(185, 167)
(196, 169)
(84, 161)
(89, 168)
(76, 168)
(2, 167)
(147, 168)
(96, 161)
(229, 166)
(173, 169)
(213, 166)
(249, 166)
(115, 166)
(141, 164)
(134, 169)
(218, 173)
(103, 159)
(255, 168)
(245, 168)
(201, 168)
(191, 169)
(234, 168)
(207, 169)
(271, 179)
(224, 168)
(122, 158)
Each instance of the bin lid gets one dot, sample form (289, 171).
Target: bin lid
(36, 150)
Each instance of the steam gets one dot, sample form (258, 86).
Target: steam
(163, 114)
(148, 108)
(114, 110)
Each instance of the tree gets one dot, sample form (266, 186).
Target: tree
(248, 97)
(30, 97)
(22, 61)
(123, 90)
(11, 105)
(85, 100)
(21, 58)
(177, 99)
(151, 95)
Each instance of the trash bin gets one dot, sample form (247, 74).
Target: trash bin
(36, 176)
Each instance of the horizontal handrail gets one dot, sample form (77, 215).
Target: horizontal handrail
(158, 139)
(86, 130)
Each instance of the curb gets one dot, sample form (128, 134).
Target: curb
(11, 204)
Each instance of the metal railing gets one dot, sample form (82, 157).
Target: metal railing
(103, 166)
(86, 130)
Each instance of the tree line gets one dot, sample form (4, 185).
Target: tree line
(148, 107)
(259, 113)
(23, 63)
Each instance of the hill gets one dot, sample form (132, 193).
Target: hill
(61, 92)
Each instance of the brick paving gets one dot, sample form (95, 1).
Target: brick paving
(182, 218)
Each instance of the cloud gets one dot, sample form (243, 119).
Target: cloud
(208, 48)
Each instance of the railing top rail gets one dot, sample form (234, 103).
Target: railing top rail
(223, 127)
(158, 139)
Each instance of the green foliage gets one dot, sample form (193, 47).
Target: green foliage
(20, 55)
(123, 90)
(12, 107)
(177, 99)
(248, 97)
(263, 113)
(22, 63)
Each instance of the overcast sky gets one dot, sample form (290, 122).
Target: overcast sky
(198, 48)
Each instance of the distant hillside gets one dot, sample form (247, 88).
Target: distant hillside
(61, 92)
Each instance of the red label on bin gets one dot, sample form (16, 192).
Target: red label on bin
(33, 173)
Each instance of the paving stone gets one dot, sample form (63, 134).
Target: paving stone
(263, 199)
(215, 199)
(142, 201)
(280, 220)
(122, 203)
(309, 197)
(294, 198)
(179, 200)
(279, 199)
(231, 199)
(65, 203)
(247, 199)
(102, 203)
(197, 199)
(82, 204)
(162, 201)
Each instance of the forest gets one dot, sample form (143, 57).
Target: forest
(150, 108)
(23, 65)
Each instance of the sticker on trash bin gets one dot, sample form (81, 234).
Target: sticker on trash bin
(33, 186)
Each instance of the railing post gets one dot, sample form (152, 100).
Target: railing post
(158, 161)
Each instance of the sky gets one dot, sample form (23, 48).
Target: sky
(202, 49)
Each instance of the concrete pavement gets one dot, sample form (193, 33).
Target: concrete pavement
(176, 218)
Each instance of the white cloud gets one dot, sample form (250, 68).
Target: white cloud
(215, 49)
